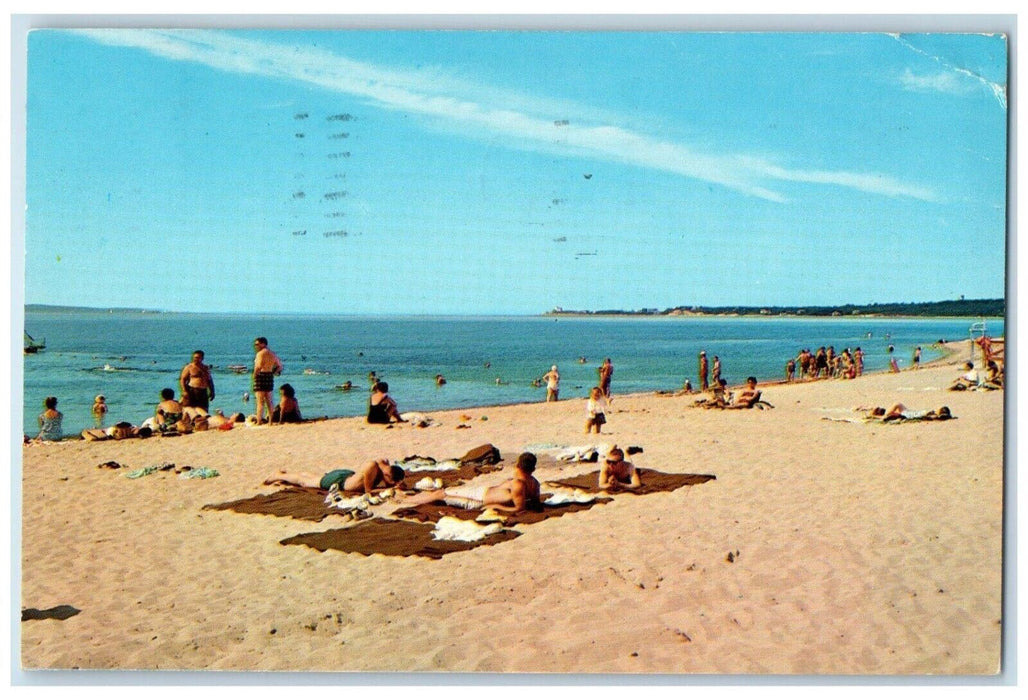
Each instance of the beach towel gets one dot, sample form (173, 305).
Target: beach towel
(392, 538)
(198, 473)
(457, 530)
(652, 482)
(294, 502)
(433, 512)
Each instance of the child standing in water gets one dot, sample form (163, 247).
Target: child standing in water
(99, 410)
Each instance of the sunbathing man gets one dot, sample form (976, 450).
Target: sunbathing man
(617, 474)
(747, 397)
(899, 412)
(377, 474)
(514, 495)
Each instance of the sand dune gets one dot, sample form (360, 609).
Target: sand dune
(855, 548)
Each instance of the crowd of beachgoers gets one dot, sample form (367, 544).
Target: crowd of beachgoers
(188, 411)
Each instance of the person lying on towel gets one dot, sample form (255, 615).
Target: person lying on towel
(377, 474)
(514, 495)
(617, 474)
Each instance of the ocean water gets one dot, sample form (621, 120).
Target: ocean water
(130, 356)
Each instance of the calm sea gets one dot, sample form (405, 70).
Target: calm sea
(130, 357)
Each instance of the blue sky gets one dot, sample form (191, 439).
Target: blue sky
(511, 172)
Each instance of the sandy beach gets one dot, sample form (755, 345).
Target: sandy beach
(856, 548)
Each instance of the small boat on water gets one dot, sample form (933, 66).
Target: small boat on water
(238, 369)
(32, 346)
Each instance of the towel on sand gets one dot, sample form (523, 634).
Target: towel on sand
(392, 538)
(293, 502)
(309, 504)
(458, 530)
(432, 512)
(652, 482)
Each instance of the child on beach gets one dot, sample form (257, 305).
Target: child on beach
(50, 421)
(596, 409)
(288, 409)
(99, 410)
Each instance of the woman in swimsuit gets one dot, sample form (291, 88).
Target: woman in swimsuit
(50, 421)
(288, 409)
(382, 408)
(169, 411)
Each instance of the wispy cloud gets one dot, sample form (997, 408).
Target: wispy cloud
(525, 121)
(954, 79)
(936, 82)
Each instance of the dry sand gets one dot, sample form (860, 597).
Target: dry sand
(857, 548)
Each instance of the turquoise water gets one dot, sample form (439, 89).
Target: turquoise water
(130, 357)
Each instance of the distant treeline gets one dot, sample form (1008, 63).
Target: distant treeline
(957, 307)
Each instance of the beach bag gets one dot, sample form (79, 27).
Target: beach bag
(483, 454)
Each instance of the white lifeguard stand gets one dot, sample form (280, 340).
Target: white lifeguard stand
(979, 328)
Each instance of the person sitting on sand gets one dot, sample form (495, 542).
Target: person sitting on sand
(50, 421)
(99, 410)
(381, 407)
(617, 474)
(288, 409)
(748, 396)
(514, 495)
(994, 375)
(596, 410)
(169, 411)
(377, 474)
(718, 396)
(968, 380)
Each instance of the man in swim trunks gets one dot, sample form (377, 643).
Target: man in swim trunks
(617, 474)
(704, 384)
(197, 383)
(265, 366)
(377, 474)
(606, 371)
(514, 495)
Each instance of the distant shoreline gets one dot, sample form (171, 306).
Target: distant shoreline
(673, 313)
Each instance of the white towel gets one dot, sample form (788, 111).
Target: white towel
(450, 528)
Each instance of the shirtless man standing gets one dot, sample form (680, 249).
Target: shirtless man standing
(514, 495)
(197, 383)
(265, 366)
(703, 371)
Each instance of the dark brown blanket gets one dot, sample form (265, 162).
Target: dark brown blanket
(292, 502)
(432, 512)
(393, 538)
(652, 482)
(309, 504)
